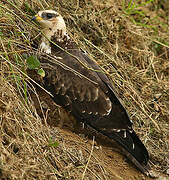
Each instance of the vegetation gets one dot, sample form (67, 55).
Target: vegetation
(130, 40)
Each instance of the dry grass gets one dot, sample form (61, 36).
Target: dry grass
(130, 42)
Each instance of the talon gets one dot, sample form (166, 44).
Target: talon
(45, 48)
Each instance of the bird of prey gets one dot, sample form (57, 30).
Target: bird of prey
(80, 86)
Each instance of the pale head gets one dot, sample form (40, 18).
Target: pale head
(50, 19)
(52, 24)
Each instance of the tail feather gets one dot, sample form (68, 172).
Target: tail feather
(137, 152)
(143, 168)
(131, 146)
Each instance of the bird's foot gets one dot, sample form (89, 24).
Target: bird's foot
(45, 48)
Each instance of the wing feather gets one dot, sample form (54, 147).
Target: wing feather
(91, 99)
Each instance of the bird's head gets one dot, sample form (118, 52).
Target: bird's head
(53, 26)
(51, 22)
(49, 18)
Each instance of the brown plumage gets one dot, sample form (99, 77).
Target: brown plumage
(78, 84)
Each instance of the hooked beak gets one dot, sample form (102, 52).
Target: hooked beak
(37, 18)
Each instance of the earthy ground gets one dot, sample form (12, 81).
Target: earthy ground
(129, 39)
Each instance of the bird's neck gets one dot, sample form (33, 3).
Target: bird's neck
(58, 36)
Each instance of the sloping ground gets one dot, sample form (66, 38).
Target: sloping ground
(130, 41)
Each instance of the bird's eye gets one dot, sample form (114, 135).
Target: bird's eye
(49, 15)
